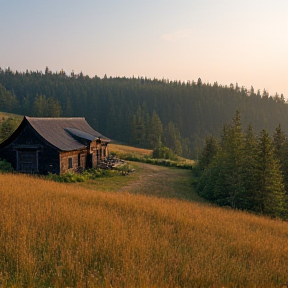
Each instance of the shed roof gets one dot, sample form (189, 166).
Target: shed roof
(64, 133)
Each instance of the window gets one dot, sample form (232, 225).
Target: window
(70, 165)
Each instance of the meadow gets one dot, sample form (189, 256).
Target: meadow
(63, 235)
(5, 115)
(124, 150)
(145, 155)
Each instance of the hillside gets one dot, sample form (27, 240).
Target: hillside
(141, 111)
(8, 123)
(4, 115)
(63, 235)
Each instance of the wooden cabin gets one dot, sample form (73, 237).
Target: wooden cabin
(54, 145)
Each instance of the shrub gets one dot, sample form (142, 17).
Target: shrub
(163, 153)
(68, 177)
(90, 174)
(5, 167)
(125, 169)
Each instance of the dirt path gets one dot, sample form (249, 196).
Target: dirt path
(162, 182)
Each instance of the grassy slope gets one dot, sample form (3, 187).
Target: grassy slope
(58, 235)
(139, 152)
(61, 235)
(148, 179)
(7, 115)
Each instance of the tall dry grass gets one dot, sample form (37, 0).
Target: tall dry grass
(60, 235)
(6, 115)
(124, 149)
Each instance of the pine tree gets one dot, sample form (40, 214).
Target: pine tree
(278, 142)
(233, 147)
(154, 131)
(225, 174)
(270, 196)
(249, 166)
(208, 153)
(139, 127)
(172, 138)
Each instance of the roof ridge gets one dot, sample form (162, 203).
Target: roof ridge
(54, 118)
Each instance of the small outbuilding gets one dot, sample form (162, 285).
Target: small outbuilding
(54, 145)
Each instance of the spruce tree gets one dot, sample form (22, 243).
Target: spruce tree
(270, 196)
(172, 138)
(154, 131)
(233, 147)
(249, 166)
(139, 127)
(280, 144)
(208, 153)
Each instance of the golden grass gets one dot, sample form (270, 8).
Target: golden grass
(6, 115)
(61, 235)
(124, 149)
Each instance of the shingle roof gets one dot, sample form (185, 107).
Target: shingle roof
(64, 132)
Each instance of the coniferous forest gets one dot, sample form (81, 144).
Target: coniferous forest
(245, 171)
(140, 111)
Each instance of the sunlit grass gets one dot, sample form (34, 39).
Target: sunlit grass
(6, 115)
(145, 155)
(61, 235)
(124, 149)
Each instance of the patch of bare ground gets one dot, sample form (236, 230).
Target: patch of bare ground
(162, 182)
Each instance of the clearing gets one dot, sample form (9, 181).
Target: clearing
(150, 180)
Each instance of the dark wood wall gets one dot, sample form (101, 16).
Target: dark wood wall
(29, 140)
(43, 158)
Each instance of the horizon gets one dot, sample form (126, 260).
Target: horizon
(69, 74)
(243, 42)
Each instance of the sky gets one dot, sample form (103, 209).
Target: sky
(228, 41)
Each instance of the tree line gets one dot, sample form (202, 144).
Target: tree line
(245, 171)
(127, 109)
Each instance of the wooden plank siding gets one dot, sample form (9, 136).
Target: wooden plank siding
(77, 159)
(54, 145)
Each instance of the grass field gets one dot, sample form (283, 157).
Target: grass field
(63, 235)
(145, 155)
(152, 180)
(128, 149)
(7, 115)
(148, 229)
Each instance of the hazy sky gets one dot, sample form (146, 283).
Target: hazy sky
(229, 41)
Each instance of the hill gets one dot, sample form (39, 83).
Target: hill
(5, 115)
(8, 123)
(141, 111)
(63, 235)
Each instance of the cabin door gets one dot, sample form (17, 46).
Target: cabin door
(89, 161)
(27, 161)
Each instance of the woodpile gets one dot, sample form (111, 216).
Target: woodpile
(111, 162)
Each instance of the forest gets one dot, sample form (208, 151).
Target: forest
(140, 111)
(244, 170)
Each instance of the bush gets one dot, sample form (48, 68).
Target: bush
(5, 167)
(163, 153)
(68, 177)
(156, 161)
(90, 174)
(125, 169)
